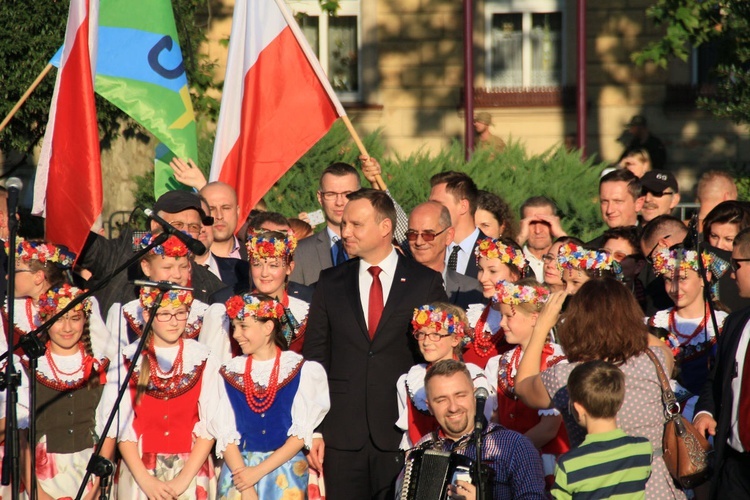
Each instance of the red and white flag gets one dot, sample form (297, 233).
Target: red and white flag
(276, 104)
(68, 186)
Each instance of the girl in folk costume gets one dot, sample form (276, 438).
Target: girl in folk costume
(440, 329)
(271, 262)
(691, 332)
(169, 261)
(497, 260)
(271, 400)
(70, 378)
(579, 265)
(163, 436)
(520, 305)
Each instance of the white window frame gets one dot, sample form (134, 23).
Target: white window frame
(347, 8)
(526, 8)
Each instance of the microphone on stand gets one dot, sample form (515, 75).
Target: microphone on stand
(193, 245)
(14, 186)
(164, 286)
(481, 396)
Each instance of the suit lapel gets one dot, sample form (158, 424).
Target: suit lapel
(395, 296)
(355, 303)
(324, 249)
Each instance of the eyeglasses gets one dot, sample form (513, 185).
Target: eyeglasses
(164, 316)
(332, 195)
(191, 228)
(433, 336)
(650, 256)
(735, 263)
(427, 236)
(657, 195)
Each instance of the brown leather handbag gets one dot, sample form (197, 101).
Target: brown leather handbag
(686, 451)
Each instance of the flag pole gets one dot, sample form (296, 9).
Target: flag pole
(318, 69)
(25, 96)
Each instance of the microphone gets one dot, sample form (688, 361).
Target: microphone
(481, 395)
(164, 286)
(14, 186)
(193, 245)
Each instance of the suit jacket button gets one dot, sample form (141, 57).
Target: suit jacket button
(370, 354)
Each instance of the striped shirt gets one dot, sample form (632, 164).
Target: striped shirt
(606, 465)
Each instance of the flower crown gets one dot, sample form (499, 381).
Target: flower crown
(173, 247)
(174, 298)
(572, 256)
(430, 317)
(42, 252)
(58, 298)
(266, 245)
(665, 260)
(495, 249)
(248, 305)
(509, 293)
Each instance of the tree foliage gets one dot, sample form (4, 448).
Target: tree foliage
(723, 23)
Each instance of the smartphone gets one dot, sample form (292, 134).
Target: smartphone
(462, 473)
(316, 217)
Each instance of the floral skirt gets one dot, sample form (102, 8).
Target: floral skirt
(166, 468)
(60, 474)
(288, 482)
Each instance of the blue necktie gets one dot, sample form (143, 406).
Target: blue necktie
(338, 254)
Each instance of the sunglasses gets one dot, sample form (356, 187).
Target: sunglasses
(427, 236)
(650, 256)
(735, 263)
(657, 195)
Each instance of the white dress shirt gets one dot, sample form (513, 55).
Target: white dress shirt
(388, 266)
(465, 253)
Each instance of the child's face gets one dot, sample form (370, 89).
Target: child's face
(685, 288)
(436, 349)
(158, 268)
(517, 324)
(252, 335)
(574, 280)
(65, 333)
(169, 324)
(490, 272)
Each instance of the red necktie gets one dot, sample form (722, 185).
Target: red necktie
(375, 306)
(743, 420)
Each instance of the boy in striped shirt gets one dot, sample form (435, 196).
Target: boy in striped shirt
(609, 463)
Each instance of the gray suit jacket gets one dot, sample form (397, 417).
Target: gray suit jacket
(313, 254)
(463, 290)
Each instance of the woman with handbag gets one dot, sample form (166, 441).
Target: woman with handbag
(603, 321)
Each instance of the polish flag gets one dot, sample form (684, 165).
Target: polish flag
(277, 101)
(68, 186)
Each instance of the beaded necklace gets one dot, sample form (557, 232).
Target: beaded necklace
(507, 382)
(482, 344)
(260, 399)
(685, 339)
(55, 369)
(163, 379)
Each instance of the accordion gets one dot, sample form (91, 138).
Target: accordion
(428, 473)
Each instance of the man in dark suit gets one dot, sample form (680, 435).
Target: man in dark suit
(359, 329)
(458, 193)
(429, 234)
(723, 408)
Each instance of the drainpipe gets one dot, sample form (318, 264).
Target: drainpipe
(469, 77)
(581, 78)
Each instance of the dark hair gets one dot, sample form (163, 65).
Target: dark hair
(338, 169)
(380, 201)
(624, 175)
(627, 233)
(446, 368)
(742, 242)
(538, 201)
(460, 185)
(599, 387)
(569, 239)
(603, 321)
(500, 210)
(660, 226)
(55, 275)
(726, 212)
(257, 221)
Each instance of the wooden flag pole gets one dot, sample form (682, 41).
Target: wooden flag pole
(25, 96)
(380, 183)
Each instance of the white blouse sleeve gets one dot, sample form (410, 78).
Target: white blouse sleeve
(215, 333)
(222, 424)
(311, 403)
(122, 426)
(403, 413)
(22, 408)
(208, 401)
(117, 325)
(491, 371)
(479, 378)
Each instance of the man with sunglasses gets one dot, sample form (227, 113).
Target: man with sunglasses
(660, 192)
(429, 235)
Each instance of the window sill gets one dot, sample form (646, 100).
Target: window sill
(525, 97)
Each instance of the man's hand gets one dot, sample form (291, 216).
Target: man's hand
(462, 490)
(555, 228)
(188, 173)
(705, 424)
(371, 170)
(316, 454)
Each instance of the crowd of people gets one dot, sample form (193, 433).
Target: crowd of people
(280, 365)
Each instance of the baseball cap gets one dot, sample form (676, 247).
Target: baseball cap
(483, 117)
(177, 201)
(658, 181)
(637, 120)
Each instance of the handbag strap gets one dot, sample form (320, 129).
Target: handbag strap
(671, 406)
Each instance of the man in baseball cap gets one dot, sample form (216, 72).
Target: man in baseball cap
(661, 193)
(485, 138)
(642, 138)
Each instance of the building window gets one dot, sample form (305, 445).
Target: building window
(524, 46)
(336, 41)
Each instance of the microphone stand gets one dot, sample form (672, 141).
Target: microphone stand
(699, 245)
(478, 428)
(99, 465)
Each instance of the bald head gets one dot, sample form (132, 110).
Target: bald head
(222, 202)
(715, 186)
(430, 219)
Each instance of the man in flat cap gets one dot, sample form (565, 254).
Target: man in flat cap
(485, 139)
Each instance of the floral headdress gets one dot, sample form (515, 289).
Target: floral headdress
(174, 298)
(43, 252)
(267, 245)
(248, 305)
(572, 256)
(173, 247)
(509, 293)
(58, 298)
(495, 249)
(430, 317)
(665, 261)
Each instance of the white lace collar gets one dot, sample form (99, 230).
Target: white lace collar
(194, 354)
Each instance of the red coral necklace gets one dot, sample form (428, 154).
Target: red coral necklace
(260, 399)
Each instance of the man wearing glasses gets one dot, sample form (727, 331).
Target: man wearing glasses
(660, 192)
(429, 235)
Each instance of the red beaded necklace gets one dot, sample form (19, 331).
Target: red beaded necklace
(260, 399)
(29, 313)
(55, 369)
(507, 383)
(482, 344)
(157, 375)
(685, 339)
